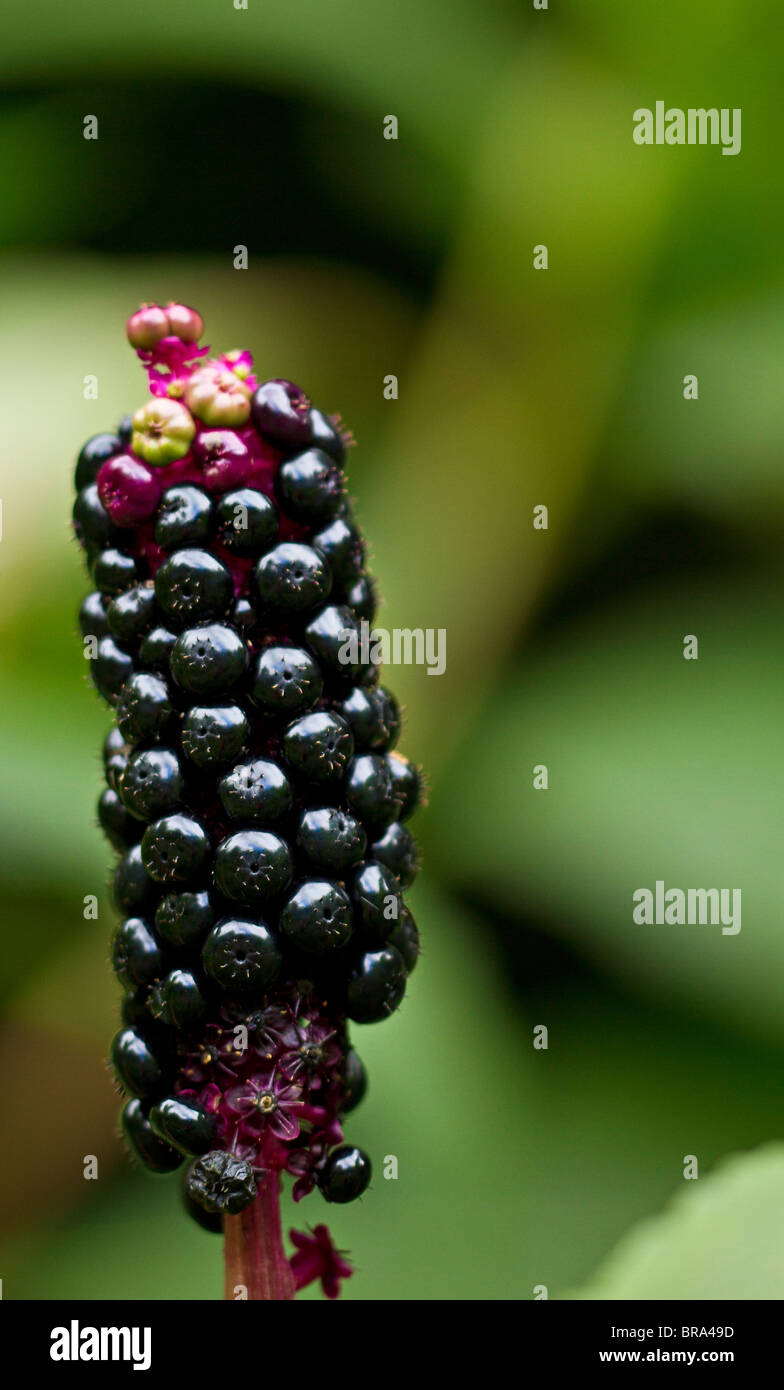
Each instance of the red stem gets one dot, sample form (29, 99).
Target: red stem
(256, 1263)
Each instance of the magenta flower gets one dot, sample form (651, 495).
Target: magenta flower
(317, 1258)
(266, 1104)
(313, 1048)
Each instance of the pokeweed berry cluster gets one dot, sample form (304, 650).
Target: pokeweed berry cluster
(252, 790)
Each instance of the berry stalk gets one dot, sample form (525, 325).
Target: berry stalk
(254, 794)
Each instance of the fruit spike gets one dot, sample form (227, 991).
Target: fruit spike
(251, 792)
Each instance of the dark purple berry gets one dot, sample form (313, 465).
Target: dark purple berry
(178, 1001)
(144, 707)
(241, 956)
(192, 585)
(331, 839)
(354, 1082)
(405, 938)
(345, 1174)
(255, 791)
(221, 1182)
(211, 1221)
(184, 1124)
(371, 792)
(175, 849)
(183, 919)
(118, 825)
(252, 866)
(137, 958)
(137, 1067)
(156, 649)
(95, 452)
(208, 660)
(243, 615)
(407, 781)
(310, 487)
(374, 718)
(156, 1155)
(131, 613)
(110, 669)
(341, 545)
(132, 888)
(334, 639)
(247, 521)
(125, 430)
(317, 918)
(292, 578)
(286, 680)
(151, 783)
(92, 616)
(397, 849)
(281, 414)
(361, 600)
(113, 571)
(375, 893)
(183, 517)
(213, 735)
(376, 985)
(92, 523)
(326, 436)
(319, 746)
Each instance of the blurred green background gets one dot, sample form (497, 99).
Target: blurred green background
(517, 1168)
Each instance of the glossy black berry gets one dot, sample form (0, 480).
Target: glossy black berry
(376, 985)
(355, 1082)
(317, 918)
(118, 825)
(131, 613)
(407, 781)
(310, 487)
(133, 1009)
(175, 849)
(252, 866)
(137, 958)
(192, 585)
(374, 718)
(156, 649)
(292, 578)
(405, 938)
(95, 452)
(183, 518)
(151, 783)
(156, 1155)
(319, 746)
(345, 1174)
(361, 600)
(286, 680)
(113, 571)
(144, 707)
(184, 1124)
(125, 430)
(113, 744)
(341, 545)
(178, 1001)
(398, 850)
(247, 521)
(137, 1067)
(92, 616)
(243, 615)
(331, 839)
(208, 660)
(257, 790)
(211, 1221)
(213, 735)
(241, 956)
(221, 1182)
(133, 890)
(110, 669)
(371, 792)
(92, 524)
(183, 919)
(281, 414)
(334, 638)
(326, 436)
(375, 893)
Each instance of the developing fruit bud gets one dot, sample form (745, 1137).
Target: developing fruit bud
(162, 432)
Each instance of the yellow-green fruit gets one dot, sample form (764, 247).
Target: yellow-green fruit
(162, 431)
(218, 397)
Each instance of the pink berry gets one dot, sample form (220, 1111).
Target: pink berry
(147, 326)
(128, 489)
(184, 323)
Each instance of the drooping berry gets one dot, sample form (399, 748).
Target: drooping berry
(345, 1174)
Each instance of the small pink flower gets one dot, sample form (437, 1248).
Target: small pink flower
(266, 1103)
(317, 1258)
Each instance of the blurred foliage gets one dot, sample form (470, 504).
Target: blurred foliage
(517, 1167)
